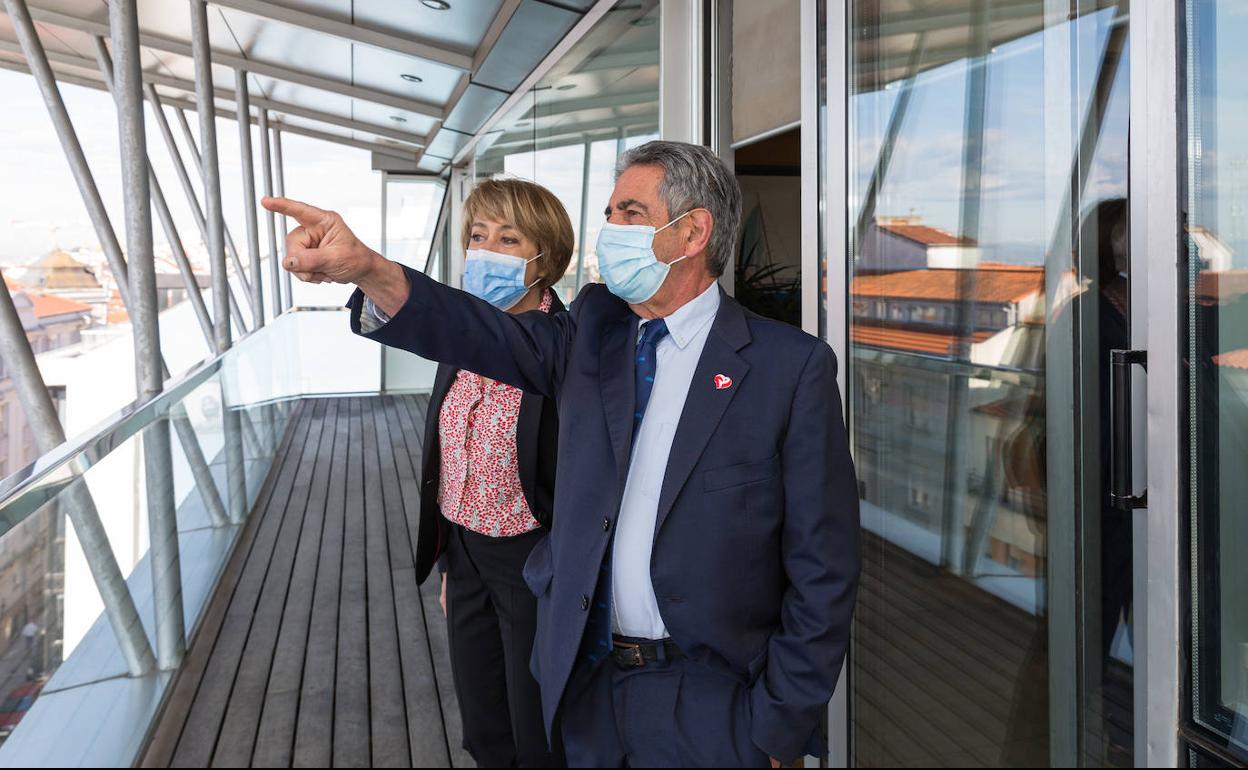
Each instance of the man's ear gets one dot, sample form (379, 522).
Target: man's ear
(698, 232)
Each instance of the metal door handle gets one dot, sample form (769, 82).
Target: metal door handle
(1121, 486)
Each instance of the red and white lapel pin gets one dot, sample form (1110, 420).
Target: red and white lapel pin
(722, 382)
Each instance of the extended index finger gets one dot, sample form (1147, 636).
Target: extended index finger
(303, 213)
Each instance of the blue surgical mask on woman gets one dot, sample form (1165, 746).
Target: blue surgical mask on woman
(496, 278)
(627, 262)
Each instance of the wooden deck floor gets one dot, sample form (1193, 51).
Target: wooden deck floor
(319, 649)
(952, 676)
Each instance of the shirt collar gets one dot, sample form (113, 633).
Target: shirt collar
(692, 317)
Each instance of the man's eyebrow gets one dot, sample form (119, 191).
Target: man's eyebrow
(627, 203)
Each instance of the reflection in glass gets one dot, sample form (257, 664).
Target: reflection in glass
(1217, 368)
(987, 185)
(601, 99)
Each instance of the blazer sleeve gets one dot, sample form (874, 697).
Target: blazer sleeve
(820, 551)
(443, 324)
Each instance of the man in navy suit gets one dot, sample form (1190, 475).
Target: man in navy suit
(696, 591)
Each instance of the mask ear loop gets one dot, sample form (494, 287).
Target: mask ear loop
(669, 224)
(539, 279)
(674, 221)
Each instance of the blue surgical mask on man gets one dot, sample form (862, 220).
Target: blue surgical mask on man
(496, 278)
(627, 262)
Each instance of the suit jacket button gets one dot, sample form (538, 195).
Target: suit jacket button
(584, 603)
(606, 525)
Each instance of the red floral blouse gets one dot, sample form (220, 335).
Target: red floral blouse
(480, 487)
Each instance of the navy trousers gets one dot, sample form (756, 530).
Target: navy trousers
(674, 713)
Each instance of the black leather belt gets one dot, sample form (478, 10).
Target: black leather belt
(636, 653)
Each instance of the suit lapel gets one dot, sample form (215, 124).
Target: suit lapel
(615, 372)
(705, 403)
(431, 462)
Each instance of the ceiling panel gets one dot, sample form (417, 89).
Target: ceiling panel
(530, 35)
(461, 27)
(382, 115)
(477, 104)
(447, 143)
(381, 70)
(290, 46)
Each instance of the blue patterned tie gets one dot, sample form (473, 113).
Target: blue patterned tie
(598, 627)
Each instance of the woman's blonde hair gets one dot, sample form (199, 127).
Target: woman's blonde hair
(531, 209)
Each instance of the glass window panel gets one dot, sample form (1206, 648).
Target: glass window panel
(1216, 350)
(601, 99)
(988, 274)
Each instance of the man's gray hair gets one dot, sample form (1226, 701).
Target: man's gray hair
(694, 178)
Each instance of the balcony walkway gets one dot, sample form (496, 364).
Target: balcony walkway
(318, 648)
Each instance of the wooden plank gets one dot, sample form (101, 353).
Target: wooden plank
(910, 746)
(351, 745)
(992, 695)
(389, 710)
(412, 420)
(275, 738)
(238, 730)
(884, 558)
(426, 730)
(315, 727)
(164, 740)
(952, 714)
(207, 710)
(941, 643)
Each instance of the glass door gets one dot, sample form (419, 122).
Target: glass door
(988, 280)
(1215, 379)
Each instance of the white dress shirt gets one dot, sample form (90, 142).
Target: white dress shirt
(636, 608)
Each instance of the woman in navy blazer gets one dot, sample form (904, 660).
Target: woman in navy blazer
(488, 482)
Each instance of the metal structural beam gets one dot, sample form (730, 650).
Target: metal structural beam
(162, 517)
(250, 220)
(405, 45)
(182, 105)
(279, 179)
(210, 166)
(41, 415)
(37, 65)
(266, 179)
(256, 67)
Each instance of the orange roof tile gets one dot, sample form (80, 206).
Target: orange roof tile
(1222, 287)
(924, 234)
(908, 339)
(117, 310)
(46, 305)
(989, 285)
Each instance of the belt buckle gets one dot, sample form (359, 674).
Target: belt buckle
(630, 656)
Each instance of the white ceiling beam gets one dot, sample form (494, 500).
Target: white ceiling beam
(505, 12)
(256, 67)
(578, 31)
(406, 45)
(189, 105)
(229, 95)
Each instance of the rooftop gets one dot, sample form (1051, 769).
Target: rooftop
(989, 283)
(909, 339)
(910, 228)
(48, 305)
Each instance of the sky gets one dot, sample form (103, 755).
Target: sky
(1027, 152)
(40, 207)
(1026, 160)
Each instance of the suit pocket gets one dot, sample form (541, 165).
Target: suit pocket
(741, 474)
